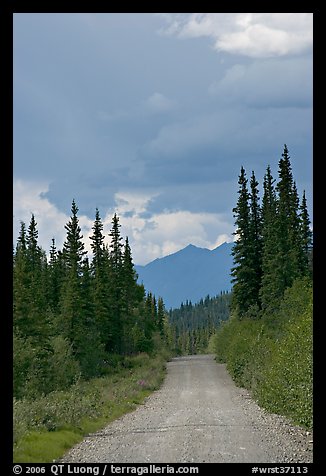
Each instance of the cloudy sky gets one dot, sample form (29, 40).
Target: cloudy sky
(152, 115)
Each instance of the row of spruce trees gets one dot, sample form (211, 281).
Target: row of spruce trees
(192, 325)
(273, 244)
(72, 315)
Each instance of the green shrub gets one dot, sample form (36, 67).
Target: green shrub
(26, 365)
(272, 356)
(86, 406)
(286, 386)
(62, 368)
(55, 410)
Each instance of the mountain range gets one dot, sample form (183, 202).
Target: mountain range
(189, 274)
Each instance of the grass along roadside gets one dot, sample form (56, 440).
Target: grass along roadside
(45, 428)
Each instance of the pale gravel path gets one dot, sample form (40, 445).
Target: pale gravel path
(198, 415)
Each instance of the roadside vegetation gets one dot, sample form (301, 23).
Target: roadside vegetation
(89, 342)
(272, 356)
(47, 426)
(267, 342)
(192, 325)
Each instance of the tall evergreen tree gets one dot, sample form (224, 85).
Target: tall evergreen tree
(101, 279)
(71, 300)
(241, 248)
(21, 241)
(116, 283)
(255, 244)
(149, 322)
(116, 245)
(295, 235)
(129, 279)
(73, 247)
(305, 235)
(36, 322)
(287, 222)
(53, 252)
(271, 266)
(20, 282)
(55, 277)
(33, 250)
(97, 243)
(130, 297)
(89, 349)
(160, 315)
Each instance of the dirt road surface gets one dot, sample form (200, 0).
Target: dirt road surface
(198, 415)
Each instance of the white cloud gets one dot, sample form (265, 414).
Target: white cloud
(164, 233)
(277, 82)
(158, 103)
(231, 131)
(150, 236)
(129, 202)
(177, 138)
(258, 35)
(29, 198)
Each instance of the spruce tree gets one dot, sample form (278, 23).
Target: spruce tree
(97, 243)
(255, 245)
(55, 277)
(284, 258)
(36, 324)
(241, 248)
(129, 279)
(287, 223)
(73, 247)
(129, 295)
(295, 235)
(33, 250)
(101, 278)
(115, 260)
(271, 264)
(89, 350)
(116, 245)
(160, 315)
(149, 323)
(71, 300)
(20, 283)
(21, 241)
(106, 289)
(305, 236)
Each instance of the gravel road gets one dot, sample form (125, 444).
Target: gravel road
(197, 416)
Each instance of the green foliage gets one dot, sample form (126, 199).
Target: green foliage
(193, 324)
(61, 418)
(272, 356)
(25, 359)
(272, 241)
(241, 252)
(72, 318)
(286, 387)
(76, 326)
(44, 447)
(62, 368)
(306, 233)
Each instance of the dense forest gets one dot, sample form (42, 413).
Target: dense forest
(86, 334)
(194, 324)
(74, 318)
(267, 342)
(273, 240)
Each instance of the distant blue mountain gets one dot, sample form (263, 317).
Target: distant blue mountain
(189, 274)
